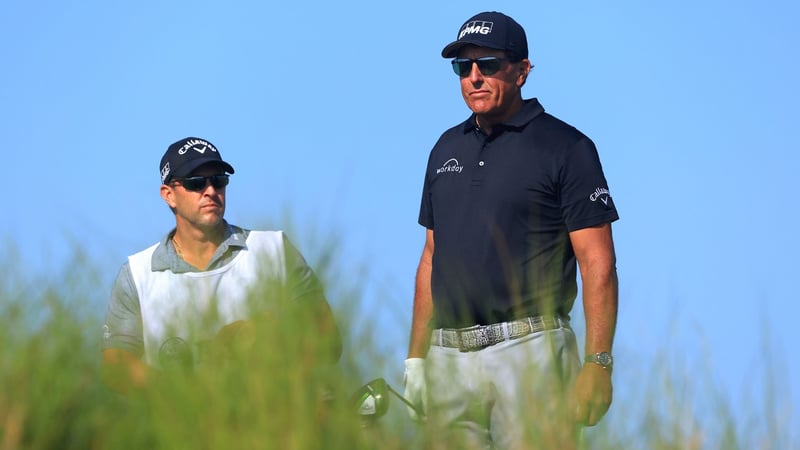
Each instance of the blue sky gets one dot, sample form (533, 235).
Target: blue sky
(329, 110)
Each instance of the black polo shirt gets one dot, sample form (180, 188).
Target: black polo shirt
(501, 208)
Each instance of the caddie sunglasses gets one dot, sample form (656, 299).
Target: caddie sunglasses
(197, 184)
(488, 65)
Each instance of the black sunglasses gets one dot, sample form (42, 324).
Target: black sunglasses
(197, 184)
(488, 65)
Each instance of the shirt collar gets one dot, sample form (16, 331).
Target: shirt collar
(166, 258)
(530, 109)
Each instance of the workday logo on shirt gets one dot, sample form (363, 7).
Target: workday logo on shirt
(451, 165)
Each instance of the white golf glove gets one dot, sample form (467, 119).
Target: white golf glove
(416, 391)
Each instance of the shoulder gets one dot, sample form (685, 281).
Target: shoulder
(124, 280)
(550, 127)
(124, 296)
(554, 139)
(256, 239)
(534, 119)
(145, 256)
(453, 142)
(456, 132)
(155, 254)
(268, 243)
(265, 236)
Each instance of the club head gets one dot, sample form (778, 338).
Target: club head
(372, 399)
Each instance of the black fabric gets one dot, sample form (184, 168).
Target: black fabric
(186, 155)
(501, 208)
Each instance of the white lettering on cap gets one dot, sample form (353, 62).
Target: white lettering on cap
(476, 26)
(165, 172)
(197, 145)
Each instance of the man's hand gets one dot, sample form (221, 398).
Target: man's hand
(591, 395)
(233, 340)
(416, 390)
(125, 372)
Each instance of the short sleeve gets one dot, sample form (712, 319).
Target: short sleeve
(123, 323)
(426, 207)
(585, 197)
(303, 284)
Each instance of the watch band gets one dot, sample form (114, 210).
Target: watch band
(603, 359)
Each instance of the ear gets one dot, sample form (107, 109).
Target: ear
(168, 194)
(524, 70)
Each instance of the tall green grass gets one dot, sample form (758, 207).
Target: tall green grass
(52, 395)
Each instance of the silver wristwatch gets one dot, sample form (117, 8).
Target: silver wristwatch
(603, 359)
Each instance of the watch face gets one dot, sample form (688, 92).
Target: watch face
(602, 358)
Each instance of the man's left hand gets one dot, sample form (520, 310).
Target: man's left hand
(234, 340)
(591, 395)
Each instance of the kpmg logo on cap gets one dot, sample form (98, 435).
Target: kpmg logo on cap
(476, 26)
(197, 145)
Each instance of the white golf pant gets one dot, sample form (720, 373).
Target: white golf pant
(507, 396)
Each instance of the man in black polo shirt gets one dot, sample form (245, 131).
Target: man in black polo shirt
(513, 198)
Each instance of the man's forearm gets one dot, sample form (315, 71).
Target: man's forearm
(600, 303)
(423, 303)
(594, 250)
(422, 315)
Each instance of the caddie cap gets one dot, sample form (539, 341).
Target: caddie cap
(186, 155)
(490, 29)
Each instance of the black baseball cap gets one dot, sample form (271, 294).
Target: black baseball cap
(490, 29)
(186, 155)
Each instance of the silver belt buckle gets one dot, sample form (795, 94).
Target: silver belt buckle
(473, 339)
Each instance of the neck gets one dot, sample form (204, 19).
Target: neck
(487, 121)
(197, 247)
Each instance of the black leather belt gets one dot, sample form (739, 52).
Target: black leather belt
(482, 336)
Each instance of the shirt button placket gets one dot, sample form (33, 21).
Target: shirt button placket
(477, 179)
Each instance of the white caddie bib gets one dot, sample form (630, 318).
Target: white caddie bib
(182, 310)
